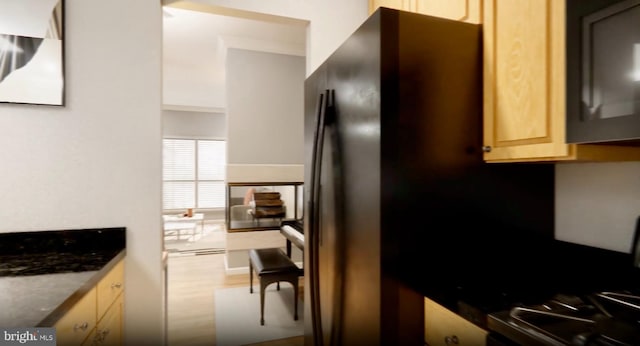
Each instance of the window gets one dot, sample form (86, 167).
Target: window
(193, 173)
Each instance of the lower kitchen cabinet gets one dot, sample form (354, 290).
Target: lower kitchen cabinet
(109, 306)
(444, 327)
(80, 321)
(96, 319)
(110, 288)
(109, 328)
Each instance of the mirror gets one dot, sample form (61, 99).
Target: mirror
(262, 206)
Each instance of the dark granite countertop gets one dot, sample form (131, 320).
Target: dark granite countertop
(43, 274)
(531, 276)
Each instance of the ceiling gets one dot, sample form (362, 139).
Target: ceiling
(196, 37)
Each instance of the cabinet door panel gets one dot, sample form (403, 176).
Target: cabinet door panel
(462, 10)
(74, 327)
(522, 63)
(405, 5)
(109, 329)
(524, 79)
(110, 287)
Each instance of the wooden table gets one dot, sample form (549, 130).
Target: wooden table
(183, 225)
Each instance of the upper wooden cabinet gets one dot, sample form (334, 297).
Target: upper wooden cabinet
(469, 11)
(405, 5)
(462, 10)
(524, 86)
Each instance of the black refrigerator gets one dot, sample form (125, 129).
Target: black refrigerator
(396, 191)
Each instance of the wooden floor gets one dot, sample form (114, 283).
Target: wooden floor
(191, 281)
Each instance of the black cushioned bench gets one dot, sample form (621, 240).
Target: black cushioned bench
(273, 265)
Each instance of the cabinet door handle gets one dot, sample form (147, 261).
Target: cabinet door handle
(486, 148)
(82, 326)
(116, 285)
(451, 340)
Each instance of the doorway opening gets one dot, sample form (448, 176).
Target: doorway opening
(196, 106)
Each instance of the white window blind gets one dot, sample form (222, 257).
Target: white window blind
(210, 167)
(212, 158)
(193, 173)
(178, 159)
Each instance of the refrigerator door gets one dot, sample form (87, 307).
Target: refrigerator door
(403, 99)
(314, 104)
(354, 74)
(324, 250)
(329, 241)
(344, 203)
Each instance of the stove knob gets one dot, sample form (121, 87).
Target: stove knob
(583, 339)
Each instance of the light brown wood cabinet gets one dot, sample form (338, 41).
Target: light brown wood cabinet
(110, 288)
(524, 86)
(524, 78)
(462, 10)
(96, 319)
(443, 327)
(80, 321)
(109, 307)
(109, 328)
(405, 5)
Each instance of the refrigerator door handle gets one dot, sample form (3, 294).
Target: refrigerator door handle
(326, 117)
(313, 222)
(330, 119)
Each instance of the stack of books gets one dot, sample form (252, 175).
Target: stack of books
(268, 204)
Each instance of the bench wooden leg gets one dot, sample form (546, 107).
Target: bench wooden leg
(262, 288)
(294, 282)
(250, 276)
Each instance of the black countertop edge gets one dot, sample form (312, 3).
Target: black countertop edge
(63, 308)
(49, 252)
(59, 241)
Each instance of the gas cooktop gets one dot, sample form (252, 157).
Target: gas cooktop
(601, 318)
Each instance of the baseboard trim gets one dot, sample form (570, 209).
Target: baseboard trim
(235, 270)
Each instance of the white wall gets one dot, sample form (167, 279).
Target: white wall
(200, 125)
(598, 204)
(96, 162)
(194, 86)
(332, 21)
(265, 107)
(324, 35)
